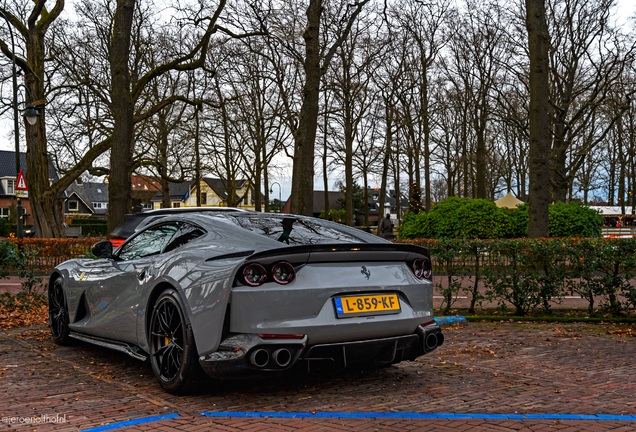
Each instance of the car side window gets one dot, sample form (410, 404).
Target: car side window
(148, 242)
(186, 234)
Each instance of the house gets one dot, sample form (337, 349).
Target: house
(86, 199)
(144, 189)
(213, 194)
(8, 177)
(91, 198)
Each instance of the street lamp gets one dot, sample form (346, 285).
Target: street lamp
(31, 115)
(280, 202)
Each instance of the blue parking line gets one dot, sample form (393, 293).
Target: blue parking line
(412, 415)
(132, 422)
(448, 320)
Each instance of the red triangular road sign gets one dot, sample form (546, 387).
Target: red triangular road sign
(21, 183)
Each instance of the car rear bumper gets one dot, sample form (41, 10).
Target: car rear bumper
(249, 355)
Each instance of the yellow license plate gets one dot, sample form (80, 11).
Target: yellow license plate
(378, 304)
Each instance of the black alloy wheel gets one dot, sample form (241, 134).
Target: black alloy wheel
(58, 313)
(172, 349)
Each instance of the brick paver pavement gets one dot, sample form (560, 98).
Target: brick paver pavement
(498, 368)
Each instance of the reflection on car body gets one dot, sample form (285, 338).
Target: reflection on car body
(242, 294)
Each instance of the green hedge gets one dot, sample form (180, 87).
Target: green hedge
(482, 219)
(530, 274)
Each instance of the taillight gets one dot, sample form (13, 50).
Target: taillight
(254, 274)
(422, 269)
(283, 273)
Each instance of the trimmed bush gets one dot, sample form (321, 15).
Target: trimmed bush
(481, 219)
(574, 220)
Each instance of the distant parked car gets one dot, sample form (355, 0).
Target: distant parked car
(136, 221)
(246, 294)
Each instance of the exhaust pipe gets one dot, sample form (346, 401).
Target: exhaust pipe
(430, 342)
(259, 358)
(440, 339)
(282, 357)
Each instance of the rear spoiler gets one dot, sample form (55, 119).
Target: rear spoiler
(342, 252)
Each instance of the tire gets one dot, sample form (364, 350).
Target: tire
(173, 353)
(58, 314)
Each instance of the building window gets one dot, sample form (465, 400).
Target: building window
(204, 198)
(10, 187)
(4, 212)
(73, 206)
(176, 205)
(100, 205)
(147, 206)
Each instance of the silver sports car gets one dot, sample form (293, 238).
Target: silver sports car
(248, 294)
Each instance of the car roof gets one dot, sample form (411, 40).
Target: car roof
(135, 221)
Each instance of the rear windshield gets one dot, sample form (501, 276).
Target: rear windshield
(292, 231)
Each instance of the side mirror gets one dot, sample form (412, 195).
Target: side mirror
(103, 249)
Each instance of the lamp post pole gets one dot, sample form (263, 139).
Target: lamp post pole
(280, 202)
(19, 229)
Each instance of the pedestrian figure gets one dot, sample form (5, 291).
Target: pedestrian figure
(386, 227)
(612, 222)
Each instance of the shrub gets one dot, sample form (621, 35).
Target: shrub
(481, 219)
(574, 220)
(8, 257)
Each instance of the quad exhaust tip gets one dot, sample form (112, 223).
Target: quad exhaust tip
(440, 339)
(430, 342)
(260, 358)
(282, 357)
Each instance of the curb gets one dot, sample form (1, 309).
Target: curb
(449, 320)
(494, 318)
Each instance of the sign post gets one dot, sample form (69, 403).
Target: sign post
(21, 191)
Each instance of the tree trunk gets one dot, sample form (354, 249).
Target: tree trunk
(396, 174)
(257, 180)
(46, 203)
(467, 175)
(348, 136)
(539, 194)
(385, 163)
(325, 178)
(197, 156)
(427, 150)
(366, 199)
(302, 195)
(163, 159)
(119, 189)
(266, 181)
(481, 156)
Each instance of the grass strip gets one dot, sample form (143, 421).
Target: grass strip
(495, 318)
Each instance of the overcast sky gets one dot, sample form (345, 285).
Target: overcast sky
(626, 9)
